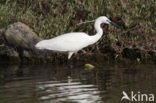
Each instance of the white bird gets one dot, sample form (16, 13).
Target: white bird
(74, 41)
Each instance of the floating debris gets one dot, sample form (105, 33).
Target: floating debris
(89, 66)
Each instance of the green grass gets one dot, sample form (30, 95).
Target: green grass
(50, 18)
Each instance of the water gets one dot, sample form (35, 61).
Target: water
(59, 84)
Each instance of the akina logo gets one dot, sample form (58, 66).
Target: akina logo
(137, 96)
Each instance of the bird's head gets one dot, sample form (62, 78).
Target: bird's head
(104, 19)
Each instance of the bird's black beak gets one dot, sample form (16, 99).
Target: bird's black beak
(114, 24)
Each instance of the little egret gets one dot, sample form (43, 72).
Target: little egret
(74, 41)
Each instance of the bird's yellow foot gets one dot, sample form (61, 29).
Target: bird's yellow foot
(89, 66)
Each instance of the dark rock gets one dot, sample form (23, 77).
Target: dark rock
(133, 53)
(8, 53)
(20, 35)
(153, 55)
(14, 37)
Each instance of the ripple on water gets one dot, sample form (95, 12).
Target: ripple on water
(51, 84)
(73, 91)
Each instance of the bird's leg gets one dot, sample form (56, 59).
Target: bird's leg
(20, 70)
(68, 62)
(69, 56)
(20, 52)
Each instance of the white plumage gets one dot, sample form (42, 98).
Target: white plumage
(75, 41)
(66, 42)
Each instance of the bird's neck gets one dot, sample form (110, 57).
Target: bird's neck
(99, 31)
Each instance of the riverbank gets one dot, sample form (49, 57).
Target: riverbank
(19, 35)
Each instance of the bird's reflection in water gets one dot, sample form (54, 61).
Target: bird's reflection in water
(71, 90)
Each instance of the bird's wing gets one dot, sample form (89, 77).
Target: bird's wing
(66, 42)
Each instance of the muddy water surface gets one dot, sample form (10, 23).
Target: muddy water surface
(59, 84)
